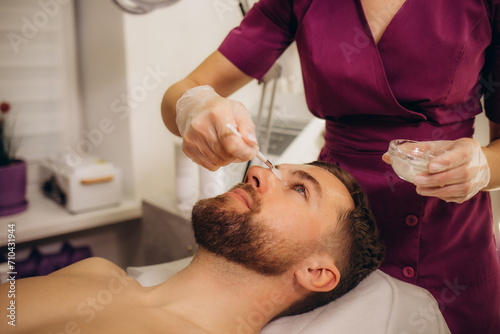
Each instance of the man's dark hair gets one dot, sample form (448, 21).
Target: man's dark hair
(355, 244)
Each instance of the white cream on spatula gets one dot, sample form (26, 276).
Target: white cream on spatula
(260, 156)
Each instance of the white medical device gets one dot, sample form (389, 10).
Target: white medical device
(91, 184)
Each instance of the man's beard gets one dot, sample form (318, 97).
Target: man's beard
(241, 238)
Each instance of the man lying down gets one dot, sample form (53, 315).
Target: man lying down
(268, 248)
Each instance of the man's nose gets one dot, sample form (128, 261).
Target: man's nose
(261, 178)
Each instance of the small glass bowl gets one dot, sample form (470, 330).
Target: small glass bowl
(409, 157)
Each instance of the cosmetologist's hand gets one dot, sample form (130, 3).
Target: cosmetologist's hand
(202, 115)
(455, 175)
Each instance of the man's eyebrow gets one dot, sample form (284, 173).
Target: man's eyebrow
(306, 176)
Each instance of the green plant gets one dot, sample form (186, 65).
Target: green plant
(7, 147)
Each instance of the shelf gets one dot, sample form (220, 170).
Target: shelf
(44, 218)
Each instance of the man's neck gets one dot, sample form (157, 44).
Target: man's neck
(223, 297)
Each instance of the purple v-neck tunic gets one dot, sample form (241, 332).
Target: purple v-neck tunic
(422, 81)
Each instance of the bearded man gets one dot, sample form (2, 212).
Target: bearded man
(267, 248)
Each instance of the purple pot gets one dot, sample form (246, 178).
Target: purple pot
(13, 188)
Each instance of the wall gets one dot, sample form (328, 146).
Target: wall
(128, 62)
(101, 53)
(173, 40)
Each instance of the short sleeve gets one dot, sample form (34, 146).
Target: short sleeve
(491, 73)
(265, 32)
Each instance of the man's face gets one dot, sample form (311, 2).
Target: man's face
(268, 225)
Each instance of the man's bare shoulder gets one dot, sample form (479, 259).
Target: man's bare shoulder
(79, 291)
(94, 274)
(91, 267)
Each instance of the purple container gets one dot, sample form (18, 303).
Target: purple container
(13, 188)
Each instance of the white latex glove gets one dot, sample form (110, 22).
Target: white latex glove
(457, 174)
(202, 115)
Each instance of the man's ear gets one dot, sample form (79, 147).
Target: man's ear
(318, 273)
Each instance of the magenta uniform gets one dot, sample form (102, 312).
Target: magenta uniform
(422, 81)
